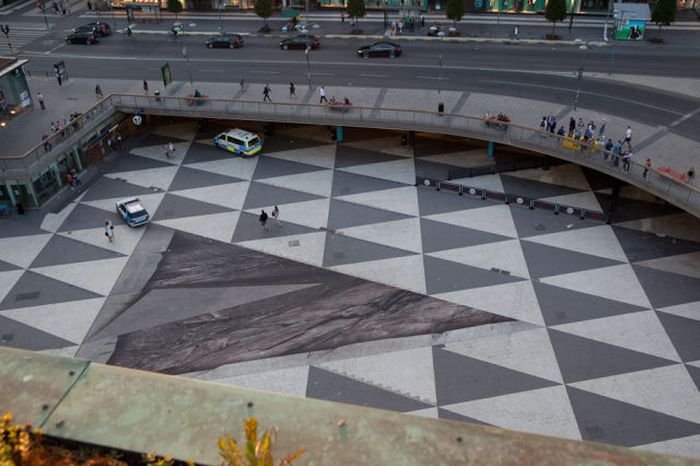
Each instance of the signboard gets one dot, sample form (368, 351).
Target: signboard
(631, 29)
(165, 72)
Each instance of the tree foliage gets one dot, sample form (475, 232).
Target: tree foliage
(174, 6)
(555, 11)
(263, 8)
(664, 13)
(356, 9)
(455, 10)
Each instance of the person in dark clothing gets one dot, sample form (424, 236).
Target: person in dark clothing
(572, 126)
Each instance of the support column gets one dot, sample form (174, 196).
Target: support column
(615, 195)
(338, 134)
(491, 150)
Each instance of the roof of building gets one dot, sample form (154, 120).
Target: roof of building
(638, 11)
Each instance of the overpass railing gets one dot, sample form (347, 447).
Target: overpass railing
(653, 180)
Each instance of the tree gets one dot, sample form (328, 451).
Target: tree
(263, 8)
(455, 10)
(555, 11)
(664, 13)
(356, 9)
(174, 6)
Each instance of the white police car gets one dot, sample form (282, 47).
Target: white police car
(238, 141)
(133, 212)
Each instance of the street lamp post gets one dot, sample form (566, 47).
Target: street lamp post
(579, 76)
(114, 21)
(43, 10)
(308, 65)
(220, 4)
(185, 54)
(440, 74)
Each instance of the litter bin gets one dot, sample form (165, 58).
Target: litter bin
(441, 108)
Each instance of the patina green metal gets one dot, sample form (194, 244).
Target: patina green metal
(142, 411)
(32, 384)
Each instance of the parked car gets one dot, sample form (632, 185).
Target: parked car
(102, 29)
(133, 213)
(82, 37)
(301, 41)
(227, 41)
(380, 49)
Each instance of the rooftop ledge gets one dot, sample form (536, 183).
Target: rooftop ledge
(142, 412)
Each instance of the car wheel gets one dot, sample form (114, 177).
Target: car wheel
(285, 47)
(365, 55)
(392, 54)
(211, 46)
(232, 45)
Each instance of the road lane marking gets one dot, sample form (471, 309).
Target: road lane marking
(213, 71)
(573, 91)
(685, 117)
(368, 75)
(263, 72)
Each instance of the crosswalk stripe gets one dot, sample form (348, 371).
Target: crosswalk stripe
(19, 38)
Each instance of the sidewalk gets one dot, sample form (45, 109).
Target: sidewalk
(663, 148)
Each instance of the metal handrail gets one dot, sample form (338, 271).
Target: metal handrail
(682, 194)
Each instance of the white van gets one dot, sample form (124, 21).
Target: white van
(238, 141)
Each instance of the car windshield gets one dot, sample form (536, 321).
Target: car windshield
(253, 142)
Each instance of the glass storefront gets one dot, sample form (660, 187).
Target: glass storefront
(14, 90)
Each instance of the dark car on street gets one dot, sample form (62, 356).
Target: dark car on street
(102, 29)
(380, 49)
(82, 37)
(301, 41)
(225, 41)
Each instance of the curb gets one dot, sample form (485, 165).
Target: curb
(455, 40)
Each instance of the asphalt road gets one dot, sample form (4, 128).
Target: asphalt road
(537, 72)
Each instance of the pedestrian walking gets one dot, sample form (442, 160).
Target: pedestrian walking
(266, 93)
(422, 20)
(292, 91)
(145, 87)
(628, 136)
(690, 175)
(342, 17)
(242, 84)
(98, 91)
(40, 99)
(109, 230)
(89, 5)
(543, 123)
(572, 126)
(167, 150)
(263, 220)
(647, 167)
(276, 215)
(322, 93)
(171, 149)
